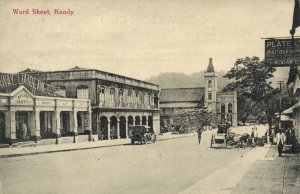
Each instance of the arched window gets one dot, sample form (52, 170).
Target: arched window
(137, 97)
(83, 92)
(146, 99)
(121, 95)
(209, 83)
(102, 94)
(149, 99)
(112, 95)
(129, 96)
(229, 108)
(141, 99)
(209, 95)
(222, 108)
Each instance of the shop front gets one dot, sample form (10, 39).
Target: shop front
(26, 117)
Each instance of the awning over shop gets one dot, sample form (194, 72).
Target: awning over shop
(288, 111)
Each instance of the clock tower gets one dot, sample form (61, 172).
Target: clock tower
(210, 77)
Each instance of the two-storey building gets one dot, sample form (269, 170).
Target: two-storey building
(117, 101)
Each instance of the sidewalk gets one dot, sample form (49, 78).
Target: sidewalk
(260, 171)
(272, 174)
(34, 150)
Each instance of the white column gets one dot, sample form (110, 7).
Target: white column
(10, 131)
(35, 126)
(82, 117)
(73, 124)
(48, 121)
(108, 129)
(133, 121)
(118, 128)
(56, 124)
(146, 120)
(126, 127)
(156, 122)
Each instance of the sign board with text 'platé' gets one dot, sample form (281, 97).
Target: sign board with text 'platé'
(282, 52)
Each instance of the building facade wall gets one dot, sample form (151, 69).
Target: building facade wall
(112, 96)
(229, 101)
(24, 121)
(296, 122)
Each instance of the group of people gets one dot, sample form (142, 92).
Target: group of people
(287, 137)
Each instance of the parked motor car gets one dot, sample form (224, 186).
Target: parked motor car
(142, 134)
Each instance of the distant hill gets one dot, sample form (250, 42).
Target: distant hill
(181, 80)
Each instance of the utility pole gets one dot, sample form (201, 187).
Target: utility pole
(280, 84)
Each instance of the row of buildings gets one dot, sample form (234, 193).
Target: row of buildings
(89, 103)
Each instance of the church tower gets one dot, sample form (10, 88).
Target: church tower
(210, 77)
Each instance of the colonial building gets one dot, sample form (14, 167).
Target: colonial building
(174, 98)
(117, 101)
(221, 104)
(30, 110)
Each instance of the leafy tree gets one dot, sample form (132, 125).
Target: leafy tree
(187, 119)
(251, 81)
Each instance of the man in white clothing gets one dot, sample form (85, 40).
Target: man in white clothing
(280, 139)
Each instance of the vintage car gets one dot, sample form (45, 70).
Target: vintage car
(222, 137)
(142, 134)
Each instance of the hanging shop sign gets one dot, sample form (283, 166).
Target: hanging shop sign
(282, 52)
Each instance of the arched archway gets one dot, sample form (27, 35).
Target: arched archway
(113, 127)
(137, 120)
(144, 120)
(150, 121)
(122, 127)
(2, 127)
(130, 121)
(103, 129)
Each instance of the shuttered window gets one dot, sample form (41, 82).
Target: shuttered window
(83, 92)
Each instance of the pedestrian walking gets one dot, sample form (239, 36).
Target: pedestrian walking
(254, 136)
(199, 131)
(280, 139)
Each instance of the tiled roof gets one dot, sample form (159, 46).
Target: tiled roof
(182, 94)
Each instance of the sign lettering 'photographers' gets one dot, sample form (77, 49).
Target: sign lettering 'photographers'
(282, 52)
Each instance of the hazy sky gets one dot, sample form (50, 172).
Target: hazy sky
(139, 38)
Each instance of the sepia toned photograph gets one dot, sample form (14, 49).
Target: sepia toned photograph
(149, 96)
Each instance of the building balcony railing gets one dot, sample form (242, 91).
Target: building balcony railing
(124, 105)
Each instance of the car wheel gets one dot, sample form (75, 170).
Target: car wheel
(132, 141)
(145, 140)
(154, 139)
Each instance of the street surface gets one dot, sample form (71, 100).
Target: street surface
(169, 166)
